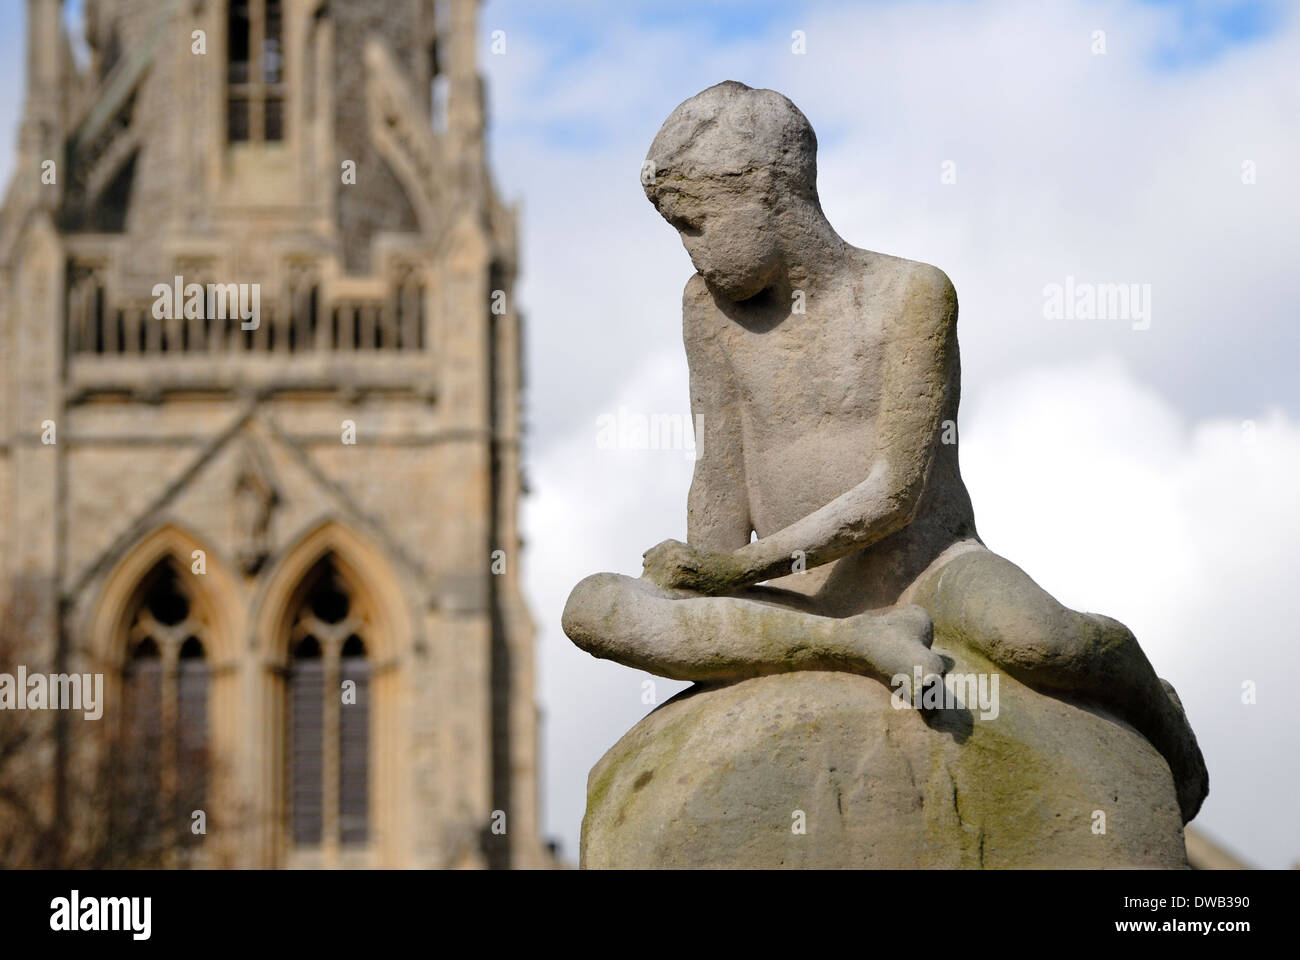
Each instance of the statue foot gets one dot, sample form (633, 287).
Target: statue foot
(896, 641)
(1183, 754)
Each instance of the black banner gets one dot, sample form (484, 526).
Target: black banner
(334, 909)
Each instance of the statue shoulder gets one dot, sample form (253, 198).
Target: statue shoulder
(925, 292)
(928, 281)
(695, 295)
(699, 312)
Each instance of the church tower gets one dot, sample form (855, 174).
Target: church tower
(260, 389)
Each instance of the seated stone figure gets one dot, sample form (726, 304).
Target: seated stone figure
(826, 379)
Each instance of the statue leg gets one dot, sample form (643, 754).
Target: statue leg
(988, 603)
(678, 634)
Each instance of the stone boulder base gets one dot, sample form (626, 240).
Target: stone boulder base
(712, 778)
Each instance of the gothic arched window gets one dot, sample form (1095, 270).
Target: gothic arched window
(191, 726)
(255, 71)
(165, 680)
(354, 744)
(306, 735)
(328, 713)
(142, 696)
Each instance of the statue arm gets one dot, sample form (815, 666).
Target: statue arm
(717, 513)
(920, 351)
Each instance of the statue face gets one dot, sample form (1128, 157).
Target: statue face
(734, 170)
(732, 242)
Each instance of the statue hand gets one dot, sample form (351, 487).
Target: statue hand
(676, 565)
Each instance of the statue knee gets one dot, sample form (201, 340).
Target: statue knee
(588, 613)
(991, 604)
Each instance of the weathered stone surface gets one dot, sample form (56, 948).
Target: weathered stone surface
(712, 779)
(829, 529)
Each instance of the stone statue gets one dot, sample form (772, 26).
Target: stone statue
(832, 557)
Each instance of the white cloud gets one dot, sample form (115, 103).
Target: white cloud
(598, 509)
(1083, 476)
(1144, 504)
(1189, 533)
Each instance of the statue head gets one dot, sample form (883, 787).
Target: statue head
(734, 169)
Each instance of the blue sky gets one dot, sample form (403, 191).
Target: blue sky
(1205, 31)
(1103, 461)
(1202, 30)
(1109, 463)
